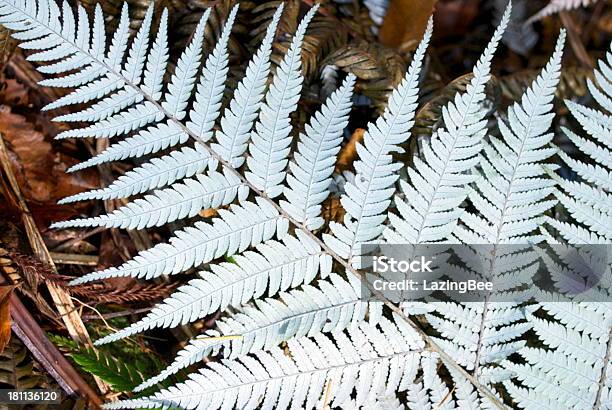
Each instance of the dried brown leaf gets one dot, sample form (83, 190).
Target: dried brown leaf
(38, 169)
(405, 23)
(348, 153)
(5, 315)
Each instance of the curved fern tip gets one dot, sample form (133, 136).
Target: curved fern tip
(75, 282)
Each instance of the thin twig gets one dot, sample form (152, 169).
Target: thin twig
(55, 364)
(74, 259)
(114, 315)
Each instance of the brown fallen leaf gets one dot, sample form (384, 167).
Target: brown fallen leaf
(332, 210)
(405, 23)
(38, 169)
(13, 93)
(5, 315)
(348, 153)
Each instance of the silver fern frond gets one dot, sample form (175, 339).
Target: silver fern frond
(273, 379)
(511, 197)
(332, 306)
(276, 283)
(181, 200)
(572, 367)
(366, 201)
(239, 117)
(275, 267)
(270, 141)
(588, 200)
(237, 228)
(312, 167)
(430, 206)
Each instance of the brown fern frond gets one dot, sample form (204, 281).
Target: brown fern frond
(378, 69)
(573, 83)
(131, 294)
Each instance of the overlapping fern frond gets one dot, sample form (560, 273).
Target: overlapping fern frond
(511, 196)
(430, 207)
(572, 363)
(367, 199)
(589, 199)
(385, 355)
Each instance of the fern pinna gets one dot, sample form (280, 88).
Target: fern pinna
(293, 278)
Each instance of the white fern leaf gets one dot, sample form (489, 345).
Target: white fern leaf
(91, 91)
(27, 22)
(329, 307)
(156, 173)
(511, 197)
(270, 141)
(302, 375)
(431, 392)
(235, 230)
(588, 195)
(182, 200)
(588, 200)
(594, 174)
(157, 60)
(556, 6)
(313, 164)
(511, 193)
(84, 76)
(119, 42)
(148, 141)
(367, 199)
(121, 123)
(600, 154)
(212, 83)
(597, 124)
(239, 117)
(184, 77)
(598, 222)
(274, 268)
(137, 55)
(432, 201)
(574, 234)
(105, 108)
(132, 73)
(574, 368)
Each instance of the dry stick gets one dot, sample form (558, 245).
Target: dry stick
(74, 259)
(79, 237)
(45, 352)
(113, 315)
(604, 371)
(61, 298)
(485, 391)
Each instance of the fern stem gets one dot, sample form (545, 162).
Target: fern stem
(604, 371)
